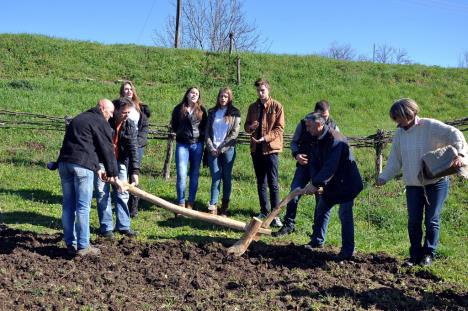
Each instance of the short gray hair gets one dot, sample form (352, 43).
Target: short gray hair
(315, 117)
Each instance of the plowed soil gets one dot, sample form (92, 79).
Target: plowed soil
(37, 274)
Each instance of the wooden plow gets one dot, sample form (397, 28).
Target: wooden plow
(252, 231)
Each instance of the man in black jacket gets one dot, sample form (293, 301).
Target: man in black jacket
(125, 149)
(332, 168)
(87, 142)
(301, 142)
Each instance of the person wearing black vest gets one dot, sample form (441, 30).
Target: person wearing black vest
(301, 143)
(125, 152)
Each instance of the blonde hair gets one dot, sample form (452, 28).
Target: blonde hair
(405, 108)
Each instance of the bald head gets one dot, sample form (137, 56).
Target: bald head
(106, 107)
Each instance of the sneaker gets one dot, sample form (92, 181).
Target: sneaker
(312, 246)
(108, 235)
(89, 251)
(212, 209)
(285, 230)
(71, 249)
(130, 233)
(426, 260)
(261, 216)
(276, 222)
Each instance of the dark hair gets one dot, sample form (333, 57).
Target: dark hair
(122, 102)
(322, 105)
(198, 105)
(405, 108)
(315, 117)
(261, 81)
(135, 99)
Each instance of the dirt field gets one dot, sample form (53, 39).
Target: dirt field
(37, 274)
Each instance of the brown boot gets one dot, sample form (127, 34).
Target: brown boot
(224, 208)
(189, 205)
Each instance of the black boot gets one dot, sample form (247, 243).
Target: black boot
(133, 205)
(224, 207)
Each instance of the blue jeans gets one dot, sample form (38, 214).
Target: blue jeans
(77, 188)
(419, 207)
(266, 172)
(104, 206)
(319, 229)
(185, 154)
(221, 169)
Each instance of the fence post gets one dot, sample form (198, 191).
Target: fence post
(378, 145)
(238, 70)
(231, 42)
(169, 149)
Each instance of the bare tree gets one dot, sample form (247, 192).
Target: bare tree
(384, 54)
(387, 54)
(206, 24)
(463, 60)
(340, 51)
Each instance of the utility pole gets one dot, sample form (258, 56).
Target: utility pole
(177, 27)
(373, 54)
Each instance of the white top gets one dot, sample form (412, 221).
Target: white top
(410, 145)
(134, 116)
(220, 127)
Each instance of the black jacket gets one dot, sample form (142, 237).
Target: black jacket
(88, 142)
(188, 128)
(333, 167)
(127, 146)
(143, 126)
(302, 141)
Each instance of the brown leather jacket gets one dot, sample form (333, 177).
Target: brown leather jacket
(272, 125)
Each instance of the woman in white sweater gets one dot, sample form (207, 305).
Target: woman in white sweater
(413, 138)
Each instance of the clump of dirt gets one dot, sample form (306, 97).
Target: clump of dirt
(37, 274)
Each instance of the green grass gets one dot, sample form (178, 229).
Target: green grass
(58, 77)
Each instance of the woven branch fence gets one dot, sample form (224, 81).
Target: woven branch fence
(32, 121)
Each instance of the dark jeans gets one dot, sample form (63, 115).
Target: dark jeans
(321, 219)
(300, 180)
(133, 200)
(266, 172)
(419, 207)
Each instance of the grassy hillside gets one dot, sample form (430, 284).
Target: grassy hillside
(58, 77)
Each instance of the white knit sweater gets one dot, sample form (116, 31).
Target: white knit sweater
(410, 145)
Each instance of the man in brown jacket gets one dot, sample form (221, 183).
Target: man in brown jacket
(265, 124)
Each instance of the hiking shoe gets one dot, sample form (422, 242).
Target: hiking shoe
(411, 262)
(71, 250)
(312, 245)
(426, 261)
(108, 235)
(89, 251)
(130, 233)
(344, 257)
(276, 222)
(284, 230)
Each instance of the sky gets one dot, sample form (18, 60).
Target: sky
(433, 32)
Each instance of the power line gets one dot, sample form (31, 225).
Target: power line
(146, 21)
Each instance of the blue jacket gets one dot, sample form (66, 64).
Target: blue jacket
(333, 167)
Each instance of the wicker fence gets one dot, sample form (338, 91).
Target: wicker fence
(24, 120)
